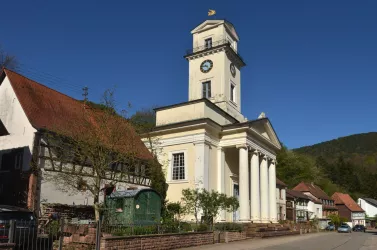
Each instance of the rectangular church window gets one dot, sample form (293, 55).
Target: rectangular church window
(232, 92)
(206, 89)
(208, 43)
(178, 166)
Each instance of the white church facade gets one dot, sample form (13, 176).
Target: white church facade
(207, 142)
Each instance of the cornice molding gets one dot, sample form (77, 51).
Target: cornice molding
(195, 139)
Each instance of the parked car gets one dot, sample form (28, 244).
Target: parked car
(330, 227)
(344, 229)
(359, 228)
(26, 225)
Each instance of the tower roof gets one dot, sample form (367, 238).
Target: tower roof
(209, 24)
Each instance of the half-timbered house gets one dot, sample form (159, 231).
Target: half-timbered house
(29, 160)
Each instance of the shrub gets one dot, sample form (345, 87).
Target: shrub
(229, 227)
(186, 227)
(202, 228)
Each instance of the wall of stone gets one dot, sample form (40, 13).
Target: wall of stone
(234, 236)
(166, 241)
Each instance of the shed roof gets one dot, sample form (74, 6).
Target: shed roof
(130, 193)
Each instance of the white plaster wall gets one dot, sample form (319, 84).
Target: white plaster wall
(281, 202)
(369, 209)
(215, 75)
(54, 192)
(21, 133)
(312, 207)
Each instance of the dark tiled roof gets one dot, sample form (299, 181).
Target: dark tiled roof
(346, 200)
(297, 194)
(51, 110)
(371, 201)
(313, 189)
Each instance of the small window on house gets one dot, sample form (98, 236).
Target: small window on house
(232, 92)
(208, 43)
(178, 166)
(206, 89)
(3, 130)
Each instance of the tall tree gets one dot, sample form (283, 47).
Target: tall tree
(100, 148)
(144, 122)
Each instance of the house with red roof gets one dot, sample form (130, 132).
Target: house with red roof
(349, 209)
(319, 201)
(297, 206)
(27, 110)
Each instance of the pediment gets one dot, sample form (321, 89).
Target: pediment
(265, 129)
(209, 24)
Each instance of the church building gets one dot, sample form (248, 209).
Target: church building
(207, 142)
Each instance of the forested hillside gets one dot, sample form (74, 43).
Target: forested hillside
(359, 149)
(347, 164)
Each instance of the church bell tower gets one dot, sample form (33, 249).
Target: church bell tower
(215, 66)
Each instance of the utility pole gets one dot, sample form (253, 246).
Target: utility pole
(85, 94)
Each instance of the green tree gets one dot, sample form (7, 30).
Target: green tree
(96, 152)
(174, 211)
(190, 199)
(337, 220)
(144, 121)
(209, 203)
(294, 168)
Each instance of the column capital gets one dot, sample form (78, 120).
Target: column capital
(273, 161)
(264, 157)
(241, 146)
(255, 151)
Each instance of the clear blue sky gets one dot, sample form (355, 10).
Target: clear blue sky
(311, 65)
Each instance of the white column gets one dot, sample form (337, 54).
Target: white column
(244, 183)
(254, 187)
(201, 165)
(272, 191)
(264, 190)
(221, 177)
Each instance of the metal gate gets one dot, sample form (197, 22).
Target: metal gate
(56, 235)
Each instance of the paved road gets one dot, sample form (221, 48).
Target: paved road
(315, 241)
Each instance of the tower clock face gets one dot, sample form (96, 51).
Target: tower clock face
(206, 66)
(233, 69)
